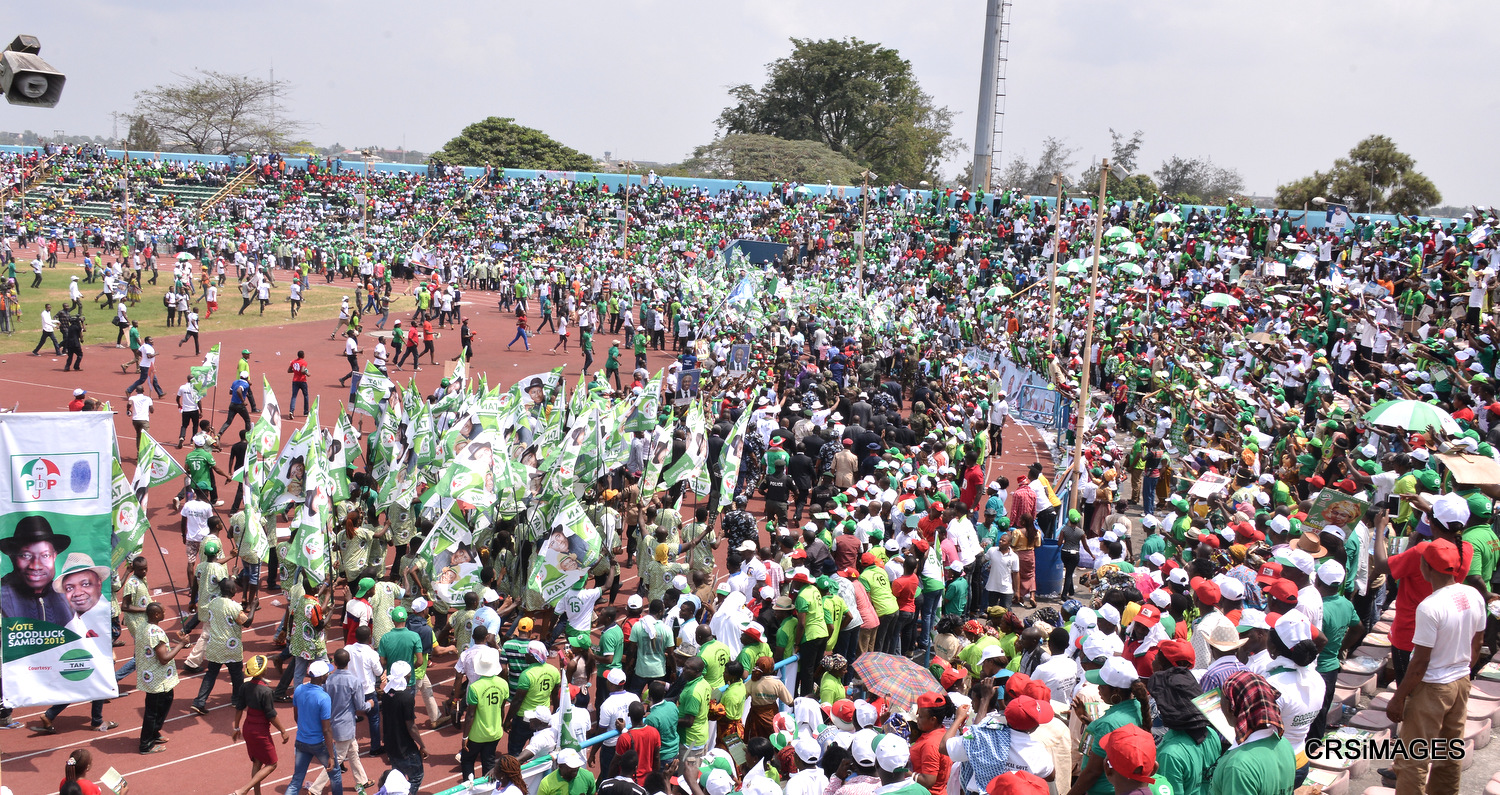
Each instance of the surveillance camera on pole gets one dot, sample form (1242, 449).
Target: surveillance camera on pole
(25, 78)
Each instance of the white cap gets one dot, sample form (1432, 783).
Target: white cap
(991, 652)
(1110, 613)
(1157, 559)
(746, 546)
(861, 748)
(865, 714)
(1161, 598)
(718, 781)
(1293, 628)
(569, 757)
(1250, 618)
(1302, 560)
(1335, 530)
(1149, 521)
(79, 393)
(318, 668)
(418, 605)
(635, 602)
(540, 713)
(1178, 576)
(1280, 524)
(615, 676)
(1450, 509)
(807, 748)
(1230, 588)
(1331, 572)
(892, 753)
(1419, 454)
(1095, 645)
(489, 595)
(1118, 672)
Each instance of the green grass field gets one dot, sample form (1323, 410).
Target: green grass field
(321, 302)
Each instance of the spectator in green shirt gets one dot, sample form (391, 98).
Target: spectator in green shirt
(569, 778)
(611, 644)
(664, 718)
(692, 706)
(956, 595)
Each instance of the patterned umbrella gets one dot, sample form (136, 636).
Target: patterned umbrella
(897, 678)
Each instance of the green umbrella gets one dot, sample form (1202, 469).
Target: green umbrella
(998, 291)
(1116, 233)
(1063, 281)
(1220, 300)
(1412, 415)
(1167, 218)
(1075, 266)
(1130, 248)
(1130, 268)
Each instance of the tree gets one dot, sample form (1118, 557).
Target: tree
(141, 136)
(1123, 150)
(1036, 179)
(218, 113)
(858, 98)
(772, 159)
(1375, 177)
(502, 143)
(1196, 181)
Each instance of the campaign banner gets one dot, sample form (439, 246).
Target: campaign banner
(56, 528)
(568, 552)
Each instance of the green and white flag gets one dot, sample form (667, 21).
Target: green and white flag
(286, 483)
(644, 418)
(205, 376)
(567, 553)
(255, 544)
(56, 499)
(309, 547)
(373, 387)
(450, 559)
(694, 455)
(154, 465)
(729, 460)
(129, 518)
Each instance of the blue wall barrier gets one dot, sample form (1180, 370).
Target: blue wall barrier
(1315, 218)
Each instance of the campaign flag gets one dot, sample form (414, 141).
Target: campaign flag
(743, 292)
(56, 528)
(729, 460)
(129, 518)
(448, 555)
(373, 387)
(153, 464)
(205, 376)
(694, 455)
(645, 416)
(568, 552)
(286, 482)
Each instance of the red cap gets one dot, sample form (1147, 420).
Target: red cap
(1179, 652)
(753, 632)
(1017, 782)
(799, 553)
(843, 710)
(1210, 539)
(920, 545)
(849, 574)
(1039, 690)
(1148, 617)
(1026, 713)
(848, 442)
(973, 626)
(869, 559)
(1269, 572)
(1166, 568)
(801, 577)
(932, 700)
(1347, 486)
(1316, 481)
(1016, 684)
(1131, 752)
(1251, 536)
(1285, 591)
(1443, 557)
(951, 677)
(1207, 592)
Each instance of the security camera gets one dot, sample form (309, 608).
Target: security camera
(25, 78)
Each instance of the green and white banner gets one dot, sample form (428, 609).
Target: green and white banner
(153, 464)
(567, 554)
(205, 376)
(56, 526)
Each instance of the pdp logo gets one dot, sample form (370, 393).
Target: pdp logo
(56, 478)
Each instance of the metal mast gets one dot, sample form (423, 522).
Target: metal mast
(989, 128)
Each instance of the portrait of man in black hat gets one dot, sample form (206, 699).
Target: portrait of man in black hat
(26, 591)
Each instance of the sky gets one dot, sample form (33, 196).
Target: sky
(1275, 89)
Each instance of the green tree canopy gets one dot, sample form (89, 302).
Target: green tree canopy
(858, 98)
(772, 159)
(502, 143)
(1375, 177)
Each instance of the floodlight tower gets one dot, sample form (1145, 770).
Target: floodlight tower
(990, 127)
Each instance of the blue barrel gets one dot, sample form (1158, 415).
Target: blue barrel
(1049, 568)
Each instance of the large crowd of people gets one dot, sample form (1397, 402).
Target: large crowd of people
(789, 561)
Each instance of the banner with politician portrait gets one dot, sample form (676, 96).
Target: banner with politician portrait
(56, 526)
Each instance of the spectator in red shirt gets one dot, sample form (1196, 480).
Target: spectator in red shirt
(904, 588)
(930, 763)
(1445, 512)
(428, 337)
(298, 369)
(1022, 506)
(77, 403)
(929, 524)
(640, 745)
(77, 767)
(973, 483)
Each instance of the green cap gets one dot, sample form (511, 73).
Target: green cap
(363, 587)
(398, 615)
(211, 546)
